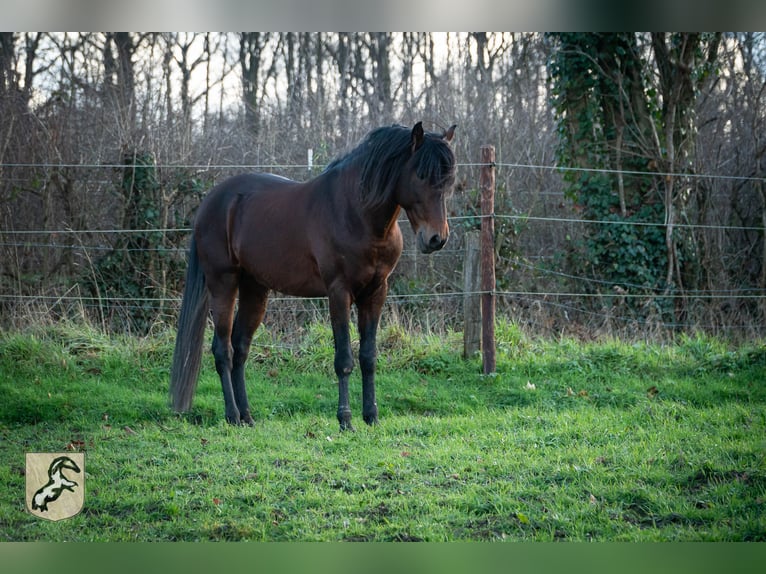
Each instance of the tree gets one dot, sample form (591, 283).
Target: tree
(637, 135)
(252, 46)
(119, 76)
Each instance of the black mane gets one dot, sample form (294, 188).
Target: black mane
(382, 155)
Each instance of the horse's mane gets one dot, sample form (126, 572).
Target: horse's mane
(382, 154)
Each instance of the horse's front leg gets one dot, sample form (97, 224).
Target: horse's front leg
(340, 309)
(369, 311)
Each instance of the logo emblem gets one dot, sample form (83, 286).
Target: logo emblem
(55, 484)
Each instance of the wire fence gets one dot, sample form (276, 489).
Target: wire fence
(309, 167)
(546, 302)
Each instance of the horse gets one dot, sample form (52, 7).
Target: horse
(333, 236)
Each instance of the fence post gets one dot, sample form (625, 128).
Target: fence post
(487, 184)
(471, 298)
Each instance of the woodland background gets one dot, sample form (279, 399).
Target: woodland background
(631, 196)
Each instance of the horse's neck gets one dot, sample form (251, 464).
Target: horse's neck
(381, 218)
(390, 222)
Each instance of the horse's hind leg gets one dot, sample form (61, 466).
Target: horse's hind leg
(252, 306)
(223, 293)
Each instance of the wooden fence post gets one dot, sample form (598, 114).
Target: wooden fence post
(487, 184)
(471, 298)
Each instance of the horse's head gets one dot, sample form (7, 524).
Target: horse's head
(424, 187)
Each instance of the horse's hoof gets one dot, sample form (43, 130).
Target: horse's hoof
(247, 420)
(344, 418)
(347, 426)
(370, 416)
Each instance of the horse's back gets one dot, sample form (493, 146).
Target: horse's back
(260, 223)
(225, 202)
(243, 185)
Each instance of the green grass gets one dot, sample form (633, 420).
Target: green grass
(569, 441)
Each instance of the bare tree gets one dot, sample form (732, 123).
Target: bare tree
(251, 55)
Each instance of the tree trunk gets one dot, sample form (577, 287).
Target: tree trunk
(251, 46)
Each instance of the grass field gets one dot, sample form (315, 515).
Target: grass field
(569, 441)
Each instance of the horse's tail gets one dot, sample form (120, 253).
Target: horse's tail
(191, 332)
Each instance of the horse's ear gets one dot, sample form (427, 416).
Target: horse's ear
(450, 133)
(417, 136)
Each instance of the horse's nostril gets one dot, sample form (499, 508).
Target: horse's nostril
(430, 243)
(436, 242)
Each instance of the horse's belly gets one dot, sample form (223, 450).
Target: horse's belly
(297, 287)
(292, 276)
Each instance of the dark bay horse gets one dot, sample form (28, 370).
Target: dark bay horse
(334, 236)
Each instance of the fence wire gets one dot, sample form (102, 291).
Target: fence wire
(612, 296)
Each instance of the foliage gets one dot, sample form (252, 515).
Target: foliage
(605, 441)
(612, 117)
(594, 78)
(205, 105)
(144, 264)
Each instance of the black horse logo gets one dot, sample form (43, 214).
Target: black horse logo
(57, 483)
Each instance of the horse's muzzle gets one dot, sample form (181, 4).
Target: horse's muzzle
(428, 243)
